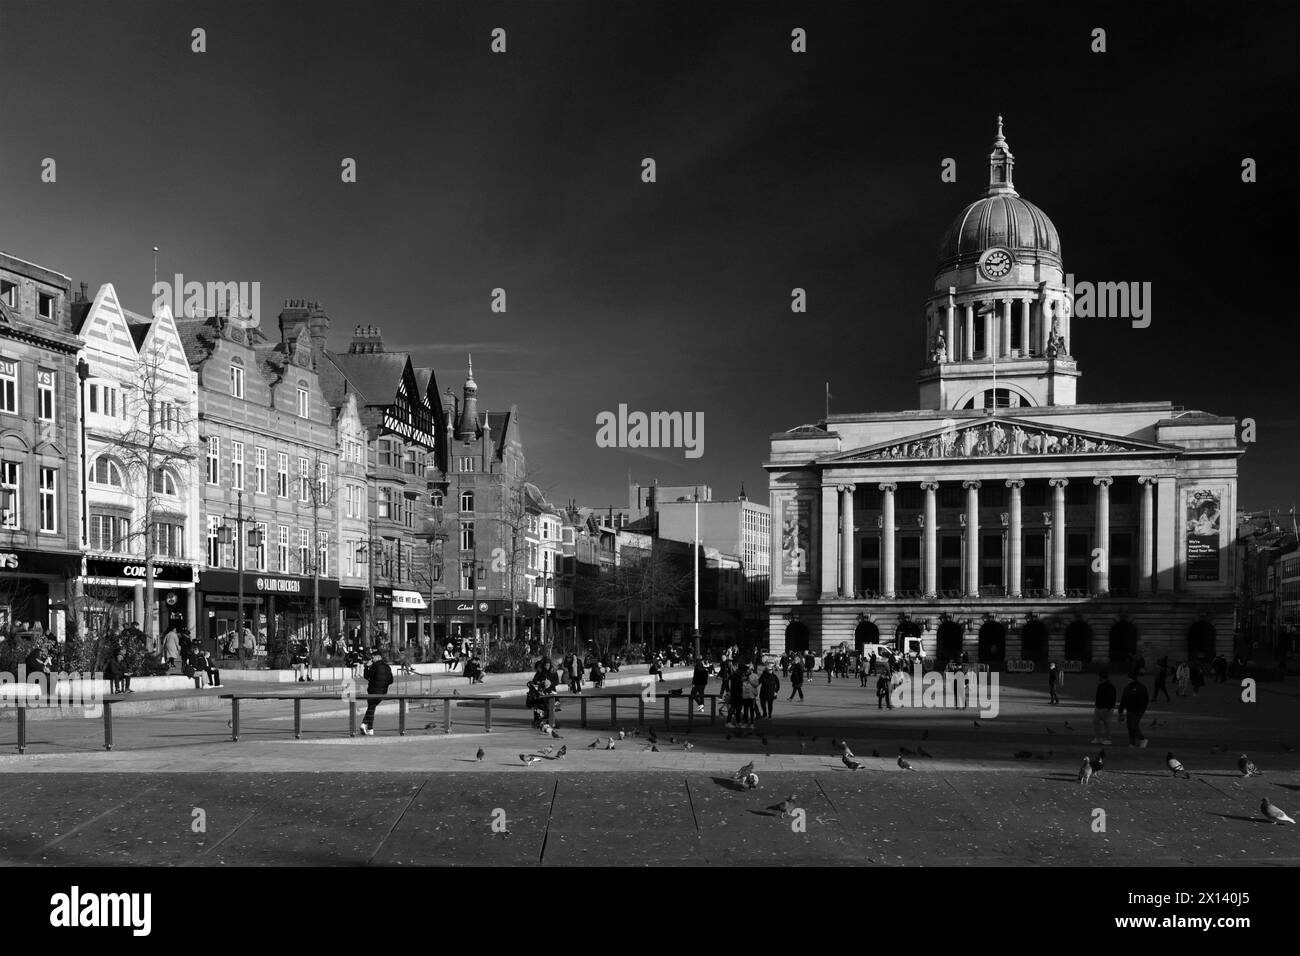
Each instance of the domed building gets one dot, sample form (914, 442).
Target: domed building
(1002, 519)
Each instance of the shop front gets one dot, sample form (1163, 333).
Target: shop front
(34, 589)
(113, 594)
(456, 616)
(406, 614)
(275, 606)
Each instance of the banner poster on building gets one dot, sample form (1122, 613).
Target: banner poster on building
(1203, 535)
(795, 526)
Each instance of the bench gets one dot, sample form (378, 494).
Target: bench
(400, 699)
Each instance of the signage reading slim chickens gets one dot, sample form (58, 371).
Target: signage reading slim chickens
(1203, 541)
(794, 541)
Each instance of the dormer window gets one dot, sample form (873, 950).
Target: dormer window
(304, 401)
(45, 305)
(236, 378)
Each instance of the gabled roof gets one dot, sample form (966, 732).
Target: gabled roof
(376, 375)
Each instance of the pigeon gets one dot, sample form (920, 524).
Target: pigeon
(921, 752)
(1067, 726)
(763, 737)
(556, 734)
(1023, 754)
(850, 762)
(976, 723)
(609, 744)
(750, 781)
(875, 753)
(1274, 813)
(1099, 760)
(622, 735)
(688, 746)
(559, 754)
(594, 744)
(1247, 766)
(845, 750)
(1085, 772)
(1176, 766)
(903, 764)
(1051, 732)
(652, 736)
(480, 755)
(904, 752)
(786, 806)
(546, 729)
(530, 759)
(654, 748)
(745, 771)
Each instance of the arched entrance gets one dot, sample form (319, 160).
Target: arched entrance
(796, 636)
(949, 636)
(1078, 640)
(993, 643)
(1123, 641)
(1200, 641)
(905, 629)
(865, 633)
(1033, 642)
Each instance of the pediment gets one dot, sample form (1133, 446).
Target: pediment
(1001, 438)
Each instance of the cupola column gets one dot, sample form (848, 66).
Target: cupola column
(1004, 346)
(1025, 346)
(968, 334)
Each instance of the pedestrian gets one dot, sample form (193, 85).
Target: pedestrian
(1102, 705)
(785, 665)
(809, 664)
(1181, 677)
(796, 679)
(749, 695)
(379, 677)
(1197, 675)
(736, 698)
(769, 685)
(115, 672)
(1052, 679)
(301, 663)
(1134, 702)
(1162, 674)
(699, 680)
(883, 698)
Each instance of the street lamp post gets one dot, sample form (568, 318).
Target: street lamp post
(226, 536)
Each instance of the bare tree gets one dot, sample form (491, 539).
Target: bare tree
(156, 442)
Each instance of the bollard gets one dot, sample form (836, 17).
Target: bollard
(108, 725)
(297, 718)
(446, 716)
(22, 728)
(613, 711)
(401, 716)
(352, 718)
(487, 715)
(640, 711)
(582, 701)
(667, 701)
(713, 710)
(234, 718)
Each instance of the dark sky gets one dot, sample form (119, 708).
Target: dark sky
(775, 170)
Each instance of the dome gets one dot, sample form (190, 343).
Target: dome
(1000, 218)
(1003, 220)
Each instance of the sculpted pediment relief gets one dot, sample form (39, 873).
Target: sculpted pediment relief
(1000, 438)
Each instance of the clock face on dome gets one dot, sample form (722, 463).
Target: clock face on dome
(996, 263)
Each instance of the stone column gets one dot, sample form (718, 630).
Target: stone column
(1004, 346)
(887, 586)
(829, 549)
(1015, 538)
(191, 610)
(138, 608)
(968, 337)
(972, 537)
(991, 332)
(1146, 540)
(1166, 532)
(1058, 535)
(948, 330)
(1103, 532)
(1025, 305)
(846, 540)
(929, 555)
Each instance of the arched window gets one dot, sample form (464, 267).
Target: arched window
(467, 501)
(164, 482)
(105, 471)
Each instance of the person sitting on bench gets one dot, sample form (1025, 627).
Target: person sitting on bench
(117, 675)
(203, 664)
(474, 671)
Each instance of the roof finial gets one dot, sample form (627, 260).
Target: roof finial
(1001, 138)
(1001, 162)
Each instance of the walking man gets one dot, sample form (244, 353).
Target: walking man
(796, 679)
(1134, 701)
(699, 681)
(769, 685)
(1162, 675)
(882, 692)
(1102, 705)
(1053, 679)
(379, 677)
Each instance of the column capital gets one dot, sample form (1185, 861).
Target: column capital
(969, 485)
(1103, 481)
(889, 487)
(848, 487)
(930, 486)
(1058, 482)
(1015, 484)
(1147, 480)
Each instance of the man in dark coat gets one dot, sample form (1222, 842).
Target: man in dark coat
(379, 677)
(699, 681)
(1134, 702)
(796, 679)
